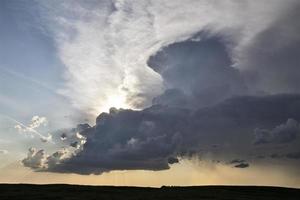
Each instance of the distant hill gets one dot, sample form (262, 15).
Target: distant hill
(56, 192)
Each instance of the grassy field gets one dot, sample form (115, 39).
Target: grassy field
(55, 192)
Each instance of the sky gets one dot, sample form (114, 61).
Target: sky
(150, 92)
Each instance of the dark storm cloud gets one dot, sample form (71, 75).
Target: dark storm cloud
(293, 155)
(275, 156)
(271, 62)
(172, 97)
(236, 161)
(70, 136)
(197, 73)
(147, 139)
(242, 165)
(127, 139)
(283, 133)
(173, 160)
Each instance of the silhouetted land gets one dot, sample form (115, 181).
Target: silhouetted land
(72, 192)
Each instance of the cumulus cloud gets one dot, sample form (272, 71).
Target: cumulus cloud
(150, 139)
(283, 133)
(39, 160)
(37, 121)
(35, 159)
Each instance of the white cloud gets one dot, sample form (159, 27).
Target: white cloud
(37, 121)
(35, 159)
(39, 160)
(31, 128)
(105, 45)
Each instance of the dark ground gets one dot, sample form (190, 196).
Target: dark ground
(56, 192)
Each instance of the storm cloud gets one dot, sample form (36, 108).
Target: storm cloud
(271, 62)
(197, 73)
(149, 139)
(283, 133)
(209, 91)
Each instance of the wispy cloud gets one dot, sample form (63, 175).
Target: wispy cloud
(37, 83)
(30, 129)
